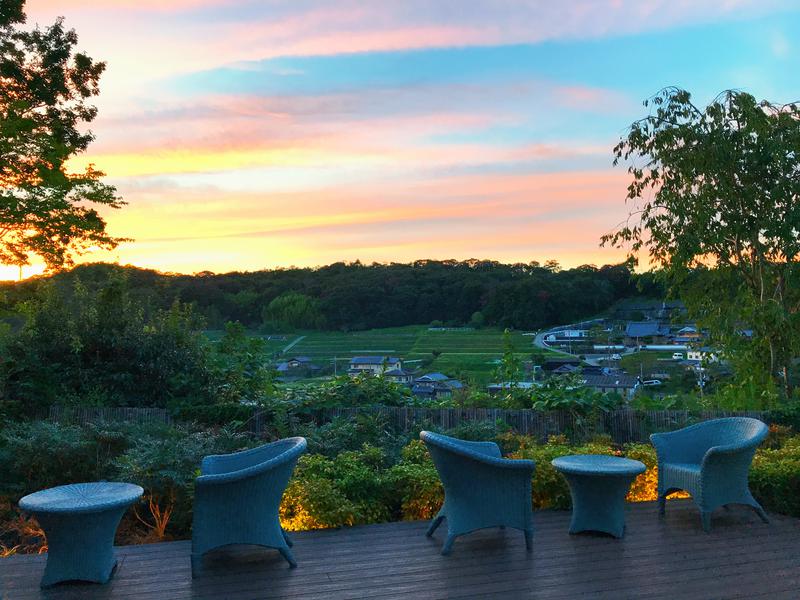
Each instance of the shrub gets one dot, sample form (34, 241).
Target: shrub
(166, 467)
(645, 486)
(775, 478)
(417, 483)
(40, 455)
(350, 489)
(364, 390)
(347, 434)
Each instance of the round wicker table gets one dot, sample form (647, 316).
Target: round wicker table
(598, 485)
(80, 521)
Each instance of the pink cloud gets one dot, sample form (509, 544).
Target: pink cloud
(515, 218)
(273, 29)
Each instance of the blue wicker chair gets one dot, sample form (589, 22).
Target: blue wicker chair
(711, 461)
(237, 498)
(481, 489)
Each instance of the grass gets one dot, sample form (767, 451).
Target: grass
(468, 354)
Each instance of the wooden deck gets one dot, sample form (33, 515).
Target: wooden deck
(669, 558)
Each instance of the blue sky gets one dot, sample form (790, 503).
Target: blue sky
(249, 135)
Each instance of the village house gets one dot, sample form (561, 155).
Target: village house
(624, 385)
(399, 375)
(701, 355)
(641, 332)
(496, 388)
(296, 366)
(551, 364)
(373, 365)
(687, 335)
(435, 386)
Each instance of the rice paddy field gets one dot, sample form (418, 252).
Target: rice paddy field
(469, 354)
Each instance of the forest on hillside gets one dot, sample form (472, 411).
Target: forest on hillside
(355, 296)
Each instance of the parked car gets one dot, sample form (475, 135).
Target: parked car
(677, 356)
(616, 357)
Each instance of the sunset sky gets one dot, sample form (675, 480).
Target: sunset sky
(254, 134)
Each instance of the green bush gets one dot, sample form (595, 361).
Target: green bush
(775, 478)
(166, 466)
(350, 489)
(364, 390)
(347, 434)
(417, 483)
(38, 455)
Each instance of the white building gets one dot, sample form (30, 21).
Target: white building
(373, 365)
(704, 354)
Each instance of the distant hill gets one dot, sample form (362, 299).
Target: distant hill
(355, 296)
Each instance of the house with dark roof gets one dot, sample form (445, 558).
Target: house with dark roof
(399, 375)
(637, 332)
(435, 386)
(296, 362)
(687, 335)
(373, 365)
(625, 385)
(296, 366)
(496, 388)
(551, 364)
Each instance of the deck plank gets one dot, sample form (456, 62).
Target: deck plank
(657, 559)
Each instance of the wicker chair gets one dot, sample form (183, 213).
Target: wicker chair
(481, 489)
(237, 498)
(711, 461)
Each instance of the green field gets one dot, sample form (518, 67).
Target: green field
(468, 354)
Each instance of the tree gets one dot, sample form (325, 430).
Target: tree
(293, 310)
(716, 203)
(45, 84)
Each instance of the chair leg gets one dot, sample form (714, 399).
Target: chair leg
(529, 540)
(705, 519)
(287, 554)
(286, 538)
(197, 564)
(448, 544)
(761, 512)
(434, 524)
(662, 505)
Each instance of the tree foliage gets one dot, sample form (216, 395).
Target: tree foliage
(293, 310)
(716, 202)
(356, 296)
(45, 86)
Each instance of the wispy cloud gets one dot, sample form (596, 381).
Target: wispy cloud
(254, 133)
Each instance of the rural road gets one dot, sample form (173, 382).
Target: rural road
(293, 344)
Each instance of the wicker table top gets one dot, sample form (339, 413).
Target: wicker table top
(82, 497)
(598, 464)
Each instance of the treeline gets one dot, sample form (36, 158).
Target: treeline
(354, 296)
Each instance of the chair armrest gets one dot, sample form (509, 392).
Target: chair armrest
(253, 462)
(487, 448)
(216, 464)
(745, 446)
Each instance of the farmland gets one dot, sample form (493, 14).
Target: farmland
(465, 353)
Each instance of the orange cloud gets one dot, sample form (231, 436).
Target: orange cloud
(517, 217)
